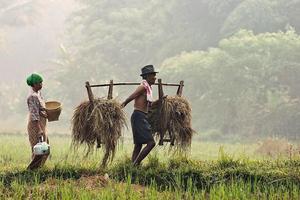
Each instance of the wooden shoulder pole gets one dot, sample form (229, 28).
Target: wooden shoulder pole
(180, 88)
(160, 96)
(160, 90)
(110, 90)
(89, 91)
(91, 99)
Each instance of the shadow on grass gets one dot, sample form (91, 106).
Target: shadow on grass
(38, 176)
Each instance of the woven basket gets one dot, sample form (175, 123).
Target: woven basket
(53, 109)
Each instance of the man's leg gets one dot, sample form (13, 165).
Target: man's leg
(150, 145)
(136, 151)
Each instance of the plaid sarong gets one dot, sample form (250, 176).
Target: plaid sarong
(33, 133)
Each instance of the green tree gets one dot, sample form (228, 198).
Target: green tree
(114, 39)
(130, 34)
(241, 87)
(262, 16)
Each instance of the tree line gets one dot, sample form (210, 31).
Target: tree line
(239, 58)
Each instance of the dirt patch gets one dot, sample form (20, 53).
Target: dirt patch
(92, 182)
(88, 182)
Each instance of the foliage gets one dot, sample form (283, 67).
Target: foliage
(262, 16)
(244, 85)
(256, 72)
(247, 84)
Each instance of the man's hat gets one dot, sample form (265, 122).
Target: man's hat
(148, 69)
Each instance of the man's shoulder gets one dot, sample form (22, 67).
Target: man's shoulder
(141, 88)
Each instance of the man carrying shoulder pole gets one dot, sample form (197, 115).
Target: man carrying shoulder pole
(141, 128)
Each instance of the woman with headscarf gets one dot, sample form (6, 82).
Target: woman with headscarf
(37, 119)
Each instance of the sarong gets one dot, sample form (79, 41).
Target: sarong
(33, 133)
(141, 128)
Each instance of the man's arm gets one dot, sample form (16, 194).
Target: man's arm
(139, 91)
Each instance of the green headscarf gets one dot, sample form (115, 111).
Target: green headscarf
(34, 79)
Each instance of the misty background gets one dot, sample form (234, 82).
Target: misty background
(240, 59)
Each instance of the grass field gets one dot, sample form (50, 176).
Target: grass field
(212, 171)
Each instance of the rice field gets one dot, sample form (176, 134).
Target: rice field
(212, 171)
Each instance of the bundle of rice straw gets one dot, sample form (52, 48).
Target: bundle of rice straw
(174, 117)
(100, 122)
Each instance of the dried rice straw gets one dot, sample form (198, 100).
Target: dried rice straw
(174, 117)
(100, 122)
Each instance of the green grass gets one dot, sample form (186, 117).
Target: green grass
(15, 151)
(212, 171)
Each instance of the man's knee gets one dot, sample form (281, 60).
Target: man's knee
(151, 144)
(138, 146)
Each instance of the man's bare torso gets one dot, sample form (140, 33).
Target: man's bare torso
(140, 103)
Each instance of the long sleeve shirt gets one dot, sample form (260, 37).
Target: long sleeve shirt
(35, 104)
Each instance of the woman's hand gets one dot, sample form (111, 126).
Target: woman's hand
(41, 137)
(44, 114)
